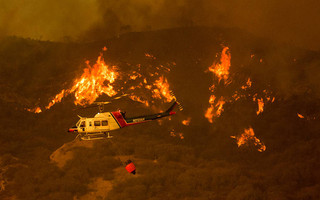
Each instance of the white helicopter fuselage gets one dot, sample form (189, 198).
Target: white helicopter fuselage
(100, 125)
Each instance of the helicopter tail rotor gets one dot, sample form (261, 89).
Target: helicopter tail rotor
(175, 99)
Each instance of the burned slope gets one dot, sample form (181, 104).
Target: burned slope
(207, 162)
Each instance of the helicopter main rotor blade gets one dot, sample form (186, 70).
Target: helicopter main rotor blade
(101, 103)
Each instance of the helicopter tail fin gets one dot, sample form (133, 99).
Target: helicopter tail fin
(171, 107)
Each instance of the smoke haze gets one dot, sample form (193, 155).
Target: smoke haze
(294, 22)
(39, 160)
(48, 19)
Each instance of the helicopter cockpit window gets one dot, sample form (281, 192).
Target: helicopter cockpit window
(104, 123)
(97, 123)
(83, 124)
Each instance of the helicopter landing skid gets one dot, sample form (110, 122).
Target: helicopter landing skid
(99, 136)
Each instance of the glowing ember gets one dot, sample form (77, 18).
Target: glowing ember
(212, 99)
(248, 84)
(300, 116)
(133, 77)
(150, 56)
(221, 70)
(173, 134)
(187, 121)
(236, 97)
(248, 136)
(38, 110)
(35, 110)
(260, 105)
(148, 87)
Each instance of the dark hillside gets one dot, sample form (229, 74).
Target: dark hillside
(206, 163)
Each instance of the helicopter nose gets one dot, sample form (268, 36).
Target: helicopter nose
(73, 129)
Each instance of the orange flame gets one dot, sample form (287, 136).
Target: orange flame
(38, 110)
(300, 116)
(247, 136)
(95, 80)
(187, 121)
(219, 106)
(133, 77)
(260, 106)
(34, 110)
(221, 70)
(216, 109)
(248, 84)
(162, 89)
(209, 114)
(138, 99)
(56, 99)
(98, 79)
(236, 96)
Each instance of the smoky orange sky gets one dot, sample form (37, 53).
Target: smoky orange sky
(295, 22)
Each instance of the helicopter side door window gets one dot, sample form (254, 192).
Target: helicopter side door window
(90, 123)
(97, 123)
(104, 123)
(83, 124)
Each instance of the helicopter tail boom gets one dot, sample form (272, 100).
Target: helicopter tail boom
(123, 122)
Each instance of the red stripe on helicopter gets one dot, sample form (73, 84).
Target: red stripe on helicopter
(122, 122)
(120, 119)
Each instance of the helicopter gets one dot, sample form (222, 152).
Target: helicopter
(99, 126)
